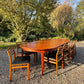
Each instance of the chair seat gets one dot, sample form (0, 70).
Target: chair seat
(52, 55)
(25, 52)
(19, 60)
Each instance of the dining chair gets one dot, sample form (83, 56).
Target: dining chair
(72, 48)
(54, 57)
(66, 52)
(21, 52)
(17, 62)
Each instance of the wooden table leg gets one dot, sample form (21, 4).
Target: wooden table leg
(42, 63)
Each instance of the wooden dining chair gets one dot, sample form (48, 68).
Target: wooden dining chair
(17, 62)
(72, 48)
(54, 57)
(66, 52)
(21, 52)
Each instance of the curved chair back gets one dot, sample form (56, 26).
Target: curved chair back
(11, 53)
(59, 51)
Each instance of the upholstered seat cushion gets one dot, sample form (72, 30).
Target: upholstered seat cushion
(25, 52)
(52, 55)
(19, 60)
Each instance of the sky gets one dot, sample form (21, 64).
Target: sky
(75, 3)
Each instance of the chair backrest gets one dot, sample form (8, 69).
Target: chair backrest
(59, 51)
(75, 43)
(11, 53)
(18, 47)
(19, 50)
(65, 47)
(72, 44)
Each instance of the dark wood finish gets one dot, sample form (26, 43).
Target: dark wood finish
(14, 66)
(43, 46)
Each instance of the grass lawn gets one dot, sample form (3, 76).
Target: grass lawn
(4, 45)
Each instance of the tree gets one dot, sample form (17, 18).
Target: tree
(4, 31)
(42, 27)
(17, 14)
(61, 20)
(79, 31)
(23, 13)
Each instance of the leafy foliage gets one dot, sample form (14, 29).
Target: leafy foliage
(22, 13)
(79, 30)
(61, 20)
(40, 19)
(4, 31)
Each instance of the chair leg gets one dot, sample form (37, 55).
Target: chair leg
(49, 64)
(75, 51)
(37, 57)
(10, 73)
(34, 57)
(63, 63)
(56, 68)
(14, 69)
(73, 54)
(69, 58)
(28, 69)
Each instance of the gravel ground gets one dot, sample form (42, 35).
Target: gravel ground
(73, 73)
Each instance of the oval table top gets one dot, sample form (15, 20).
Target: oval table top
(42, 45)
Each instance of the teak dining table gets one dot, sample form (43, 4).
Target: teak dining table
(43, 46)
